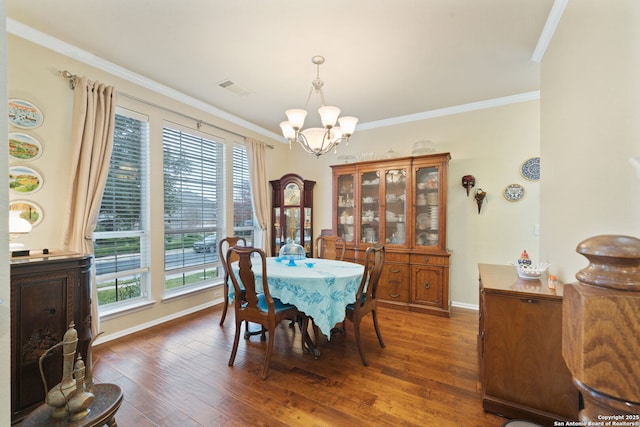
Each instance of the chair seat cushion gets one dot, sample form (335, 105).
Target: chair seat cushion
(352, 305)
(278, 305)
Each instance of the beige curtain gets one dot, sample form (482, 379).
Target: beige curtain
(92, 124)
(256, 154)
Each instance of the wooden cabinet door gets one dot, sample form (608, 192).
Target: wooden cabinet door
(426, 283)
(522, 361)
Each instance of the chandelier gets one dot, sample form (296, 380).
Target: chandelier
(318, 141)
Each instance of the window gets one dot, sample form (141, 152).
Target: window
(242, 208)
(120, 241)
(193, 206)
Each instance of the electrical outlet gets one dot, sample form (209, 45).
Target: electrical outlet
(536, 230)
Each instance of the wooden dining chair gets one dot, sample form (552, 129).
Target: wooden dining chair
(256, 307)
(366, 296)
(330, 247)
(223, 246)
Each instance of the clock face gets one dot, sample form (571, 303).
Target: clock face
(292, 194)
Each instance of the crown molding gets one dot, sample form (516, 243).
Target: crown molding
(28, 33)
(448, 111)
(549, 29)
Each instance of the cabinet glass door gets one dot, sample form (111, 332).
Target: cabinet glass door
(370, 207)
(345, 211)
(277, 229)
(427, 221)
(308, 237)
(395, 231)
(292, 225)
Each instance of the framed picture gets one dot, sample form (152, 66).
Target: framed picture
(24, 147)
(24, 180)
(24, 114)
(28, 210)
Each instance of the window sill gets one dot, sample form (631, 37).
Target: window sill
(191, 290)
(125, 309)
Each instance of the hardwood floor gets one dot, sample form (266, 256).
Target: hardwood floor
(176, 374)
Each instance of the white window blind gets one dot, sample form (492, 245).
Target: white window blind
(242, 206)
(120, 243)
(193, 205)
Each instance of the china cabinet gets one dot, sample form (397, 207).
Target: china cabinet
(47, 294)
(292, 212)
(400, 202)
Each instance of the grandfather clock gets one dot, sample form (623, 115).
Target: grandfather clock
(292, 212)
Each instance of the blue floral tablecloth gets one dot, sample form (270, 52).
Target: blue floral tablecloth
(320, 288)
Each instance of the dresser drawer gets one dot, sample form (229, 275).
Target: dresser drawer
(394, 282)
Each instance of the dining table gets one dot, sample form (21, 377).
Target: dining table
(321, 288)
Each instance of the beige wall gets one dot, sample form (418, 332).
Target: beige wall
(590, 126)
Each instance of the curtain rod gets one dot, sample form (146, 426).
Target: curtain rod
(73, 79)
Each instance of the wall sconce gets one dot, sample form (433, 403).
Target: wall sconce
(480, 198)
(468, 182)
(17, 225)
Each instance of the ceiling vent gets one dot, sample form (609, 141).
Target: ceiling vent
(234, 87)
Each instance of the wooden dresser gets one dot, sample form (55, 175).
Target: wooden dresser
(47, 294)
(522, 371)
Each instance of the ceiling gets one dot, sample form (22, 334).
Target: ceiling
(385, 59)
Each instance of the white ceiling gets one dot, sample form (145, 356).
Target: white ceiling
(384, 58)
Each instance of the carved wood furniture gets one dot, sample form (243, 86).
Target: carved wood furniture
(257, 306)
(401, 203)
(292, 213)
(522, 371)
(366, 296)
(47, 294)
(601, 330)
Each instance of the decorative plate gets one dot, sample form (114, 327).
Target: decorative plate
(24, 114)
(28, 210)
(513, 192)
(24, 147)
(530, 169)
(24, 180)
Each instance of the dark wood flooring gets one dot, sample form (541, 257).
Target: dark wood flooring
(176, 374)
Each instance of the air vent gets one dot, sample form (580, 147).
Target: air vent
(234, 87)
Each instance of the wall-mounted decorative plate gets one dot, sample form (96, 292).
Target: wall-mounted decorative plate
(513, 192)
(24, 147)
(24, 114)
(530, 169)
(28, 210)
(24, 180)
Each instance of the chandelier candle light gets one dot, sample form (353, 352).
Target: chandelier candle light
(318, 141)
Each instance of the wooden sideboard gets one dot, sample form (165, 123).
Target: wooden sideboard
(47, 294)
(522, 371)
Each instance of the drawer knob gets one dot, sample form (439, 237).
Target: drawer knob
(427, 285)
(426, 259)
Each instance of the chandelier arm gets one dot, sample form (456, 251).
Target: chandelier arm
(302, 140)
